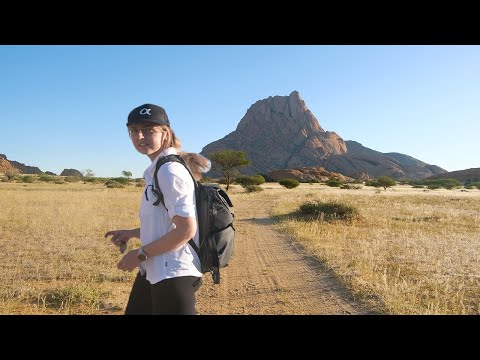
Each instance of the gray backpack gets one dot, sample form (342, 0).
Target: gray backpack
(215, 222)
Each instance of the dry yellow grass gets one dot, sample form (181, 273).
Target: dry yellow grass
(419, 252)
(54, 256)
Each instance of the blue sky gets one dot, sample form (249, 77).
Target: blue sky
(66, 106)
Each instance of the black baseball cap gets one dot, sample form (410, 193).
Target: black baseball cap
(150, 113)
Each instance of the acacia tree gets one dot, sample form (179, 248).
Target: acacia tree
(127, 174)
(87, 174)
(385, 182)
(227, 162)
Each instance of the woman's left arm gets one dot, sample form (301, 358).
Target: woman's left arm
(185, 229)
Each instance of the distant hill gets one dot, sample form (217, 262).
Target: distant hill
(464, 176)
(280, 133)
(6, 164)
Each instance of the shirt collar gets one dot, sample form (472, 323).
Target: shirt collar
(151, 169)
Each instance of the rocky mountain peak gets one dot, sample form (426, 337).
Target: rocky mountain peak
(280, 132)
(287, 129)
(284, 114)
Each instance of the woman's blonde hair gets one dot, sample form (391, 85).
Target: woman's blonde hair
(172, 140)
(197, 163)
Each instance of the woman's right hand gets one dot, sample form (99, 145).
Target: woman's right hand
(121, 237)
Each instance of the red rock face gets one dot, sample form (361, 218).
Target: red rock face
(280, 132)
(5, 165)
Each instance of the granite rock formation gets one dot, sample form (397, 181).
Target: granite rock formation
(280, 132)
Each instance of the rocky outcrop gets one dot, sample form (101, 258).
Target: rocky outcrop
(71, 172)
(306, 174)
(25, 169)
(280, 132)
(6, 164)
(50, 173)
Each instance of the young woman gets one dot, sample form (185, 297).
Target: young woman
(169, 269)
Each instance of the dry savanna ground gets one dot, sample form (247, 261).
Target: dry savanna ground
(410, 252)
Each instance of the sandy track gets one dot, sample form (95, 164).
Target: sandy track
(269, 274)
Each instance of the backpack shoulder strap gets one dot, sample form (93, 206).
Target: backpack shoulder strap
(156, 188)
(225, 196)
(160, 162)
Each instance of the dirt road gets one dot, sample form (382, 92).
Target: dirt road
(270, 274)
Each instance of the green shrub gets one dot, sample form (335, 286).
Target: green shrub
(439, 183)
(112, 184)
(92, 180)
(252, 188)
(27, 179)
(474, 184)
(333, 182)
(250, 180)
(46, 178)
(350, 187)
(328, 211)
(373, 183)
(289, 183)
(121, 180)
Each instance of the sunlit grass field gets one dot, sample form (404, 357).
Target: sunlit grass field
(413, 251)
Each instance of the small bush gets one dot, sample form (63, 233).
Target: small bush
(121, 180)
(474, 184)
(92, 180)
(373, 183)
(112, 184)
(46, 178)
(350, 187)
(250, 180)
(289, 183)
(334, 182)
(252, 188)
(328, 211)
(27, 179)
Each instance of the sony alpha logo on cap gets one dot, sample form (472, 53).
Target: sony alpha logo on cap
(148, 113)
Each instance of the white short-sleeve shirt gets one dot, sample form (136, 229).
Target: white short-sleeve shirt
(178, 191)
